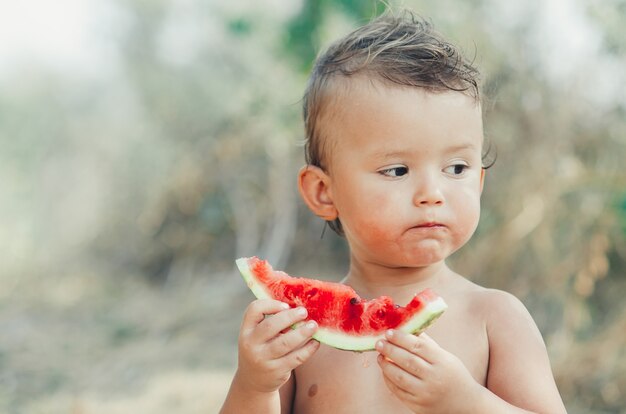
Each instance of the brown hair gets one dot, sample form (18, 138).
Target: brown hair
(404, 50)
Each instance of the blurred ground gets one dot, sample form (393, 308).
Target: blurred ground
(68, 348)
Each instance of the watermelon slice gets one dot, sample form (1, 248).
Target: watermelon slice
(345, 320)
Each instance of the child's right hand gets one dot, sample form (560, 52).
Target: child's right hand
(268, 349)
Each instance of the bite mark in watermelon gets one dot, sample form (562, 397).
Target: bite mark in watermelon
(345, 320)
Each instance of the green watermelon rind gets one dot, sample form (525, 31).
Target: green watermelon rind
(341, 340)
(256, 288)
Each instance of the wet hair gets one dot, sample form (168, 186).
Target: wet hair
(402, 50)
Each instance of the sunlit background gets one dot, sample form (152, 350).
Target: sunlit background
(146, 144)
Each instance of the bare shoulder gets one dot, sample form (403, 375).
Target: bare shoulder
(492, 305)
(504, 311)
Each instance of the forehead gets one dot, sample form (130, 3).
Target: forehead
(363, 113)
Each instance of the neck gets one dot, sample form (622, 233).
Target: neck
(371, 280)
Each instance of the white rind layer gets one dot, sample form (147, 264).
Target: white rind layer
(418, 323)
(254, 286)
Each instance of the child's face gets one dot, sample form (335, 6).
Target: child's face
(405, 172)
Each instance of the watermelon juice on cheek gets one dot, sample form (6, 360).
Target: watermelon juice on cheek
(391, 230)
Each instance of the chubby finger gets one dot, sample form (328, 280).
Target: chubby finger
(409, 362)
(397, 391)
(258, 309)
(421, 345)
(397, 377)
(272, 326)
(292, 339)
(299, 356)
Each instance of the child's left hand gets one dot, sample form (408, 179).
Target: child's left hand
(424, 376)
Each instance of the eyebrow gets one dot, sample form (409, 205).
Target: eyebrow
(390, 153)
(461, 147)
(400, 153)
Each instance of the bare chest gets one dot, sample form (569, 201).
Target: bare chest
(348, 382)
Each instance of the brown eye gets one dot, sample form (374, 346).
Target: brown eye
(395, 171)
(456, 169)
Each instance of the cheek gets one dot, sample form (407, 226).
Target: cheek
(376, 206)
(467, 212)
(372, 216)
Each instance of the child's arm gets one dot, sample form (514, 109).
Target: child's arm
(268, 352)
(519, 367)
(428, 379)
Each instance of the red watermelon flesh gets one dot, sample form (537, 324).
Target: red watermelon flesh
(345, 320)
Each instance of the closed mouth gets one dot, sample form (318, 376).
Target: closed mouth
(429, 225)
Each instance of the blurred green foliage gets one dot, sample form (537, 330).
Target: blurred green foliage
(183, 155)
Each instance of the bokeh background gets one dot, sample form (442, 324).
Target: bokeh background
(146, 144)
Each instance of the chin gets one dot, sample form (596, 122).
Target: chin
(418, 259)
(426, 254)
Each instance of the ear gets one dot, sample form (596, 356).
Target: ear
(315, 188)
(482, 179)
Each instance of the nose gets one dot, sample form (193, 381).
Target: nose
(428, 191)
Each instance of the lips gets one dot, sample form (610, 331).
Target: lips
(427, 229)
(430, 224)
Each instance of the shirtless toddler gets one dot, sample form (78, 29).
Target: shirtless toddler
(395, 164)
